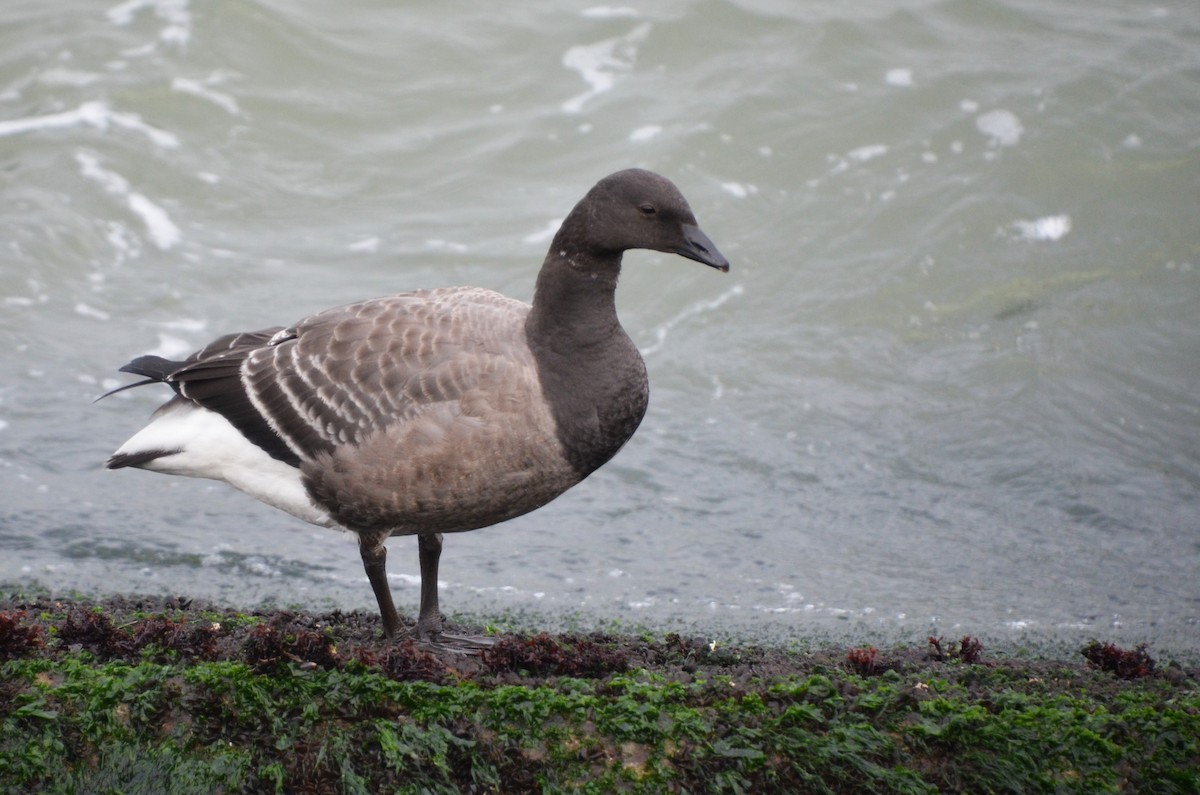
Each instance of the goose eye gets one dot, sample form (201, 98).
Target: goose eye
(648, 210)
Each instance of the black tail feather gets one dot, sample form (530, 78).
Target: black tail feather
(211, 378)
(155, 368)
(119, 460)
(126, 386)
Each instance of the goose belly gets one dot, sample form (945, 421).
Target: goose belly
(443, 472)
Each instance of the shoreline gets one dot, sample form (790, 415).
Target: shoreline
(209, 698)
(792, 633)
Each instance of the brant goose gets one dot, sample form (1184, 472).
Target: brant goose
(429, 412)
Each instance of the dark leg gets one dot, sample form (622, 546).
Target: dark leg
(374, 557)
(429, 620)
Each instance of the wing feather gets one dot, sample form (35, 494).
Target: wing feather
(339, 376)
(211, 377)
(346, 373)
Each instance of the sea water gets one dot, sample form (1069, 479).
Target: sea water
(950, 385)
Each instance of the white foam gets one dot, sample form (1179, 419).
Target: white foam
(738, 189)
(898, 77)
(3, 424)
(609, 12)
(67, 77)
(132, 121)
(545, 234)
(162, 230)
(645, 133)
(123, 14)
(89, 166)
(121, 238)
(701, 307)
(864, 153)
(178, 29)
(133, 52)
(1049, 228)
(601, 63)
(437, 244)
(189, 324)
(261, 567)
(176, 34)
(170, 346)
(367, 244)
(93, 114)
(87, 311)
(201, 89)
(1001, 126)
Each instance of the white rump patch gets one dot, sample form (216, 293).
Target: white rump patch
(209, 447)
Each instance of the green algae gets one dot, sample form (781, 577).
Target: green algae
(154, 704)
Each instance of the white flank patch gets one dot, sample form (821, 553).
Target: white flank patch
(209, 447)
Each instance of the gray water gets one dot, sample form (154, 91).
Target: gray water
(952, 383)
